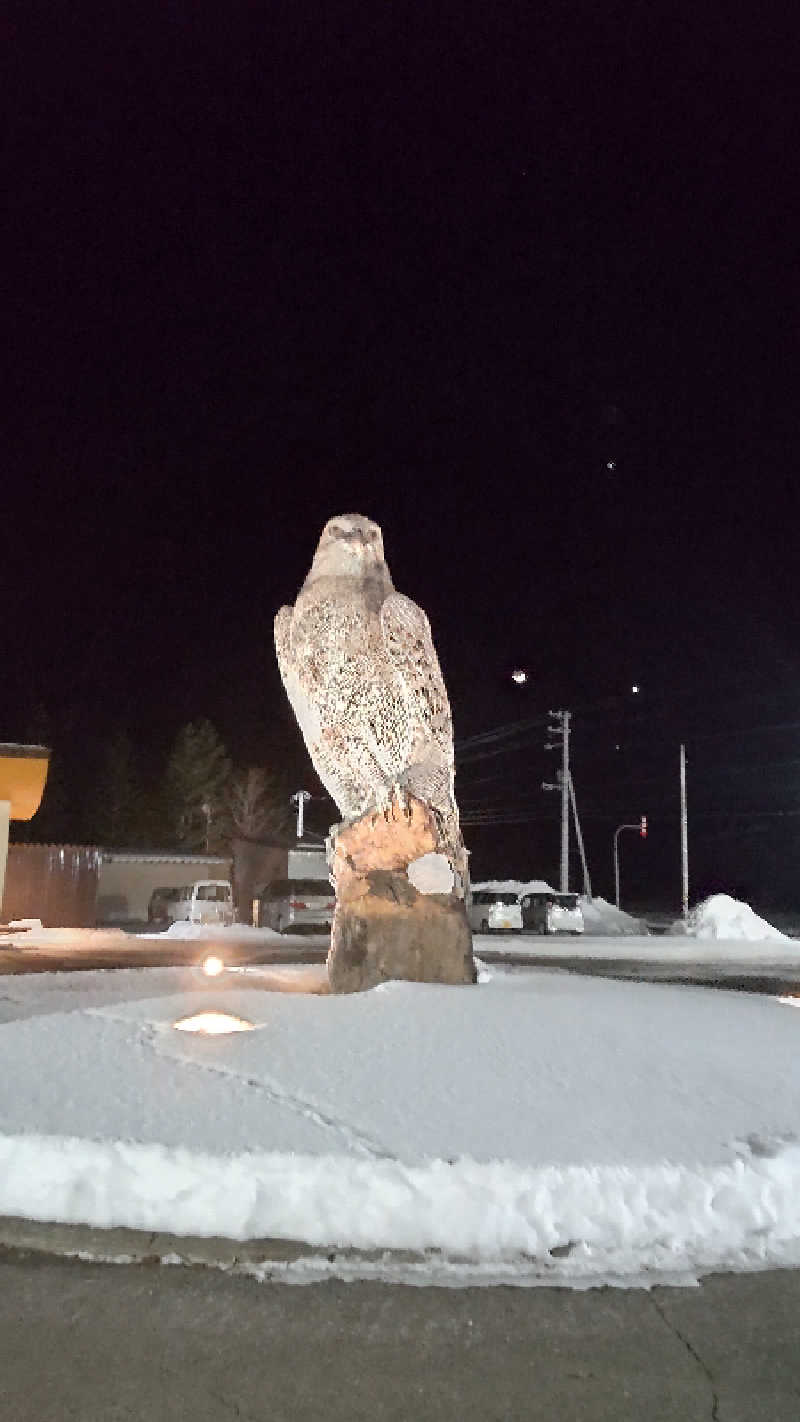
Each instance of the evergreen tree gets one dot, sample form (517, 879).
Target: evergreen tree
(118, 817)
(196, 788)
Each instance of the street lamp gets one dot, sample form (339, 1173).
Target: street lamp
(299, 799)
(642, 828)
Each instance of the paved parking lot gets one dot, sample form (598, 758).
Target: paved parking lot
(104, 1342)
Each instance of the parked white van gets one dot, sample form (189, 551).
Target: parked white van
(490, 909)
(207, 901)
(552, 913)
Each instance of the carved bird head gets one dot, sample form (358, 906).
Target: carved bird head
(350, 546)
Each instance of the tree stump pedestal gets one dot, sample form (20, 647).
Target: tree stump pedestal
(400, 911)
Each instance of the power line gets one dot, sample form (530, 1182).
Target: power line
(524, 816)
(605, 708)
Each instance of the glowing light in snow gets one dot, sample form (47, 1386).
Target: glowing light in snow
(635, 689)
(519, 676)
(213, 1024)
(611, 464)
(212, 966)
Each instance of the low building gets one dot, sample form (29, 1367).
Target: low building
(127, 879)
(307, 860)
(80, 886)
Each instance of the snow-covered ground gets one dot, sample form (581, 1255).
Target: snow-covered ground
(538, 1128)
(29, 933)
(34, 936)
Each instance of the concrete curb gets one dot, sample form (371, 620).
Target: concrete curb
(133, 1246)
(263, 1258)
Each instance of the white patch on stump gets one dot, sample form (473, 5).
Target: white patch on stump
(431, 874)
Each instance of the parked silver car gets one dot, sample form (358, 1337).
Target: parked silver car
(296, 904)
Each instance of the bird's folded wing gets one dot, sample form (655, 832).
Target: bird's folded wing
(283, 628)
(409, 645)
(303, 707)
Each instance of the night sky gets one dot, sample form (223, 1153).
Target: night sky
(520, 283)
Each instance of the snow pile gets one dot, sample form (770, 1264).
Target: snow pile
(514, 886)
(723, 917)
(182, 928)
(527, 1124)
(604, 919)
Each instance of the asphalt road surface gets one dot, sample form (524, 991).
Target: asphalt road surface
(161, 953)
(102, 1343)
(774, 980)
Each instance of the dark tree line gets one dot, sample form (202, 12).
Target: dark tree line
(198, 800)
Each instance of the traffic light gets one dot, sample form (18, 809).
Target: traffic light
(643, 827)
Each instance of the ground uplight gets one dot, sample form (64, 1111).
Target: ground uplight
(213, 1024)
(213, 966)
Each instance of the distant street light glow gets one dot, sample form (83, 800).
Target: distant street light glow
(212, 966)
(519, 676)
(635, 689)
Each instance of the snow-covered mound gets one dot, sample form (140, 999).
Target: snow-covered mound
(602, 918)
(182, 929)
(514, 886)
(538, 1136)
(218, 931)
(720, 916)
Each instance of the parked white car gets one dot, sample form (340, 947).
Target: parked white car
(207, 901)
(552, 913)
(491, 909)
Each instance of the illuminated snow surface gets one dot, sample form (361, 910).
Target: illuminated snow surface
(538, 1128)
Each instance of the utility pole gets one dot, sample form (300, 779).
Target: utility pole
(208, 812)
(560, 737)
(684, 841)
(299, 798)
(587, 883)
